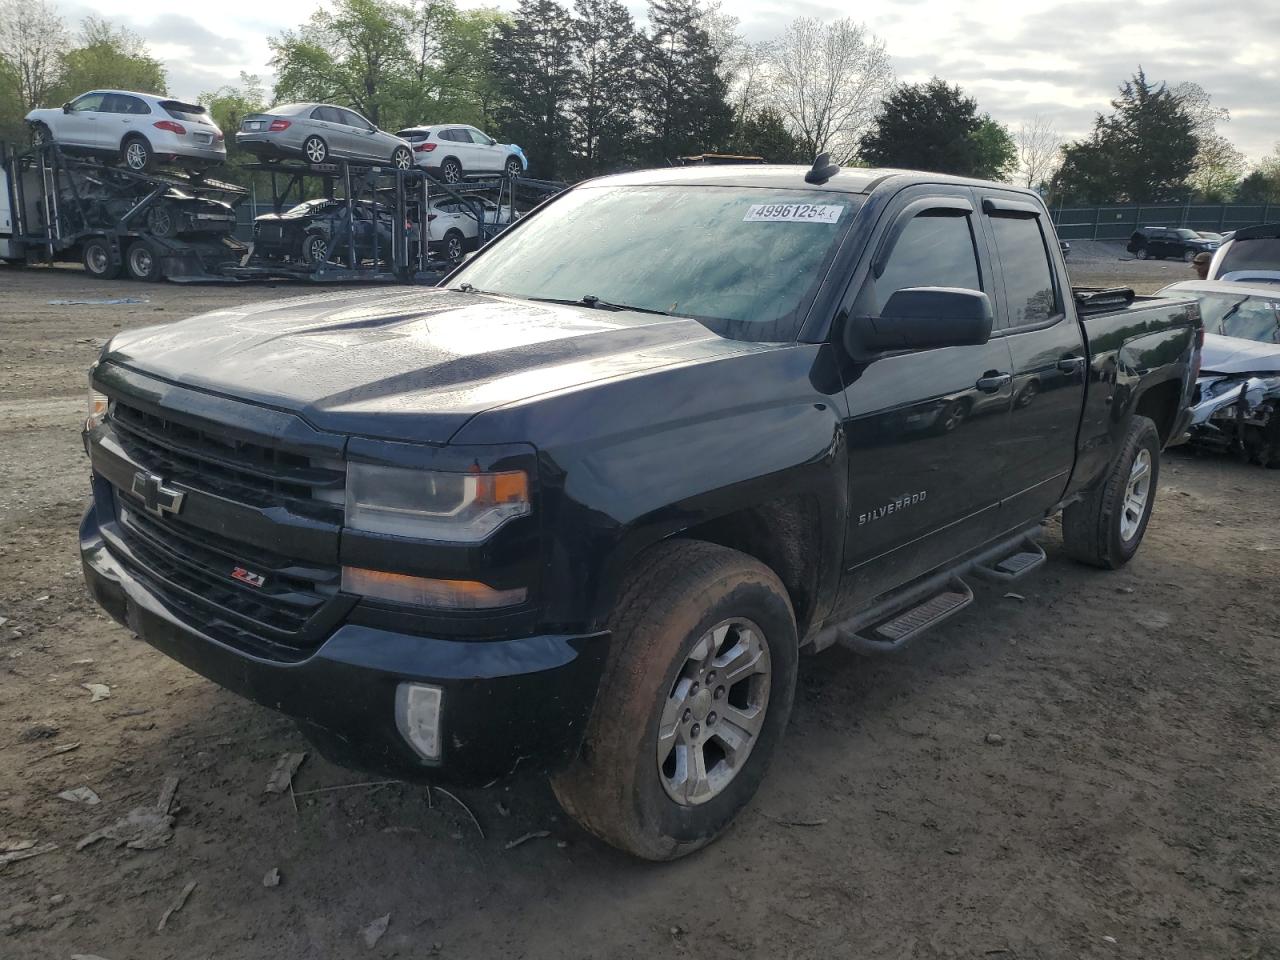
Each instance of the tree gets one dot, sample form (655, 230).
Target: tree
(468, 90)
(607, 61)
(1263, 184)
(934, 126)
(109, 56)
(32, 40)
(1145, 150)
(764, 133)
(1039, 152)
(356, 53)
(1218, 164)
(828, 81)
(534, 63)
(684, 107)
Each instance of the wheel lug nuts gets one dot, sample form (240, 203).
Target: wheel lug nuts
(711, 718)
(719, 694)
(711, 678)
(688, 715)
(694, 688)
(696, 730)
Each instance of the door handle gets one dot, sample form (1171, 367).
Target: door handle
(991, 382)
(1070, 364)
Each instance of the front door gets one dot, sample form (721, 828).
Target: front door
(923, 428)
(1047, 345)
(83, 126)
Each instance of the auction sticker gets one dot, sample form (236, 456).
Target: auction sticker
(793, 213)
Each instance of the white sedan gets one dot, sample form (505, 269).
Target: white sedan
(453, 227)
(139, 128)
(454, 151)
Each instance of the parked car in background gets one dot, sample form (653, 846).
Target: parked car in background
(455, 151)
(1209, 235)
(320, 133)
(1065, 247)
(453, 226)
(1252, 255)
(315, 231)
(141, 129)
(1159, 243)
(1237, 402)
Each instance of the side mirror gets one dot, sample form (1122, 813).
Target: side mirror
(923, 318)
(66, 107)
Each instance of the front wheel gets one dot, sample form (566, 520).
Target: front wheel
(1106, 528)
(315, 150)
(1143, 253)
(695, 697)
(40, 134)
(402, 158)
(514, 167)
(137, 155)
(451, 171)
(454, 244)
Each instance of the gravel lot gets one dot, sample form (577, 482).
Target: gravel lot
(1127, 805)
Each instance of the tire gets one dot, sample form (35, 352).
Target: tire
(1106, 528)
(1142, 253)
(684, 600)
(513, 167)
(136, 154)
(315, 150)
(454, 246)
(40, 134)
(451, 171)
(96, 254)
(161, 220)
(1188, 256)
(402, 158)
(315, 249)
(142, 262)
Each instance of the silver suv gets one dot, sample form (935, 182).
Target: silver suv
(141, 129)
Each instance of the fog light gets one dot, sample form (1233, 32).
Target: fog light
(418, 717)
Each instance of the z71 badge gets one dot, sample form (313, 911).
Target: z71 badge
(893, 506)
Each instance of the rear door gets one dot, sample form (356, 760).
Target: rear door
(327, 122)
(924, 481)
(1046, 344)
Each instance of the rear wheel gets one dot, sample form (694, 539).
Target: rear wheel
(142, 261)
(97, 260)
(1106, 528)
(315, 150)
(1188, 256)
(695, 697)
(136, 154)
(161, 220)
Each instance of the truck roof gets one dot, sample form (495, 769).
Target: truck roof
(791, 176)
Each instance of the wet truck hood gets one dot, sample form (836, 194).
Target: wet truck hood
(1235, 355)
(414, 365)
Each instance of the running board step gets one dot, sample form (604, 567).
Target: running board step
(902, 627)
(1013, 566)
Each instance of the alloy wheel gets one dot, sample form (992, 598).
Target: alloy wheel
(317, 250)
(315, 150)
(714, 712)
(135, 156)
(1137, 493)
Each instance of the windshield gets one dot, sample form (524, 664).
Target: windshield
(1261, 253)
(184, 111)
(1188, 234)
(744, 261)
(1250, 318)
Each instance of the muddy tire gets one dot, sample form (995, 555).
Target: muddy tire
(695, 697)
(96, 253)
(142, 262)
(1106, 528)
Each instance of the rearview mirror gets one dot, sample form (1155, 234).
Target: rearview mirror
(66, 107)
(922, 318)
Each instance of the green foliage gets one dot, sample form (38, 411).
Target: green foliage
(764, 133)
(533, 61)
(934, 126)
(112, 57)
(1145, 151)
(683, 99)
(607, 51)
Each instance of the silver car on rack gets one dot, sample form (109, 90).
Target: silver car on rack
(320, 133)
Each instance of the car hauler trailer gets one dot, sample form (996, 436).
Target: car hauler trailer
(150, 226)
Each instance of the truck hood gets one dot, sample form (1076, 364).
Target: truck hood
(413, 365)
(1236, 355)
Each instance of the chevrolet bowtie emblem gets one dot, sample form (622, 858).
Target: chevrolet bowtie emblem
(156, 497)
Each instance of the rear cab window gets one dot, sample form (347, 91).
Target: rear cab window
(1022, 249)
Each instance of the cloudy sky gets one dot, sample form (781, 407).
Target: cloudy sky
(1020, 58)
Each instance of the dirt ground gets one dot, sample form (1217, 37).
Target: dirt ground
(1088, 769)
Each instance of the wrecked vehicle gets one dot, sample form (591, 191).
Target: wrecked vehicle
(1237, 402)
(580, 510)
(1250, 255)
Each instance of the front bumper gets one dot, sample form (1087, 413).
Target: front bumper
(507, 704)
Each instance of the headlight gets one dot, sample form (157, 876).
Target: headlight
(98, 403)
(432, 505)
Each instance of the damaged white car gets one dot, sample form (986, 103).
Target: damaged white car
(1237, 401)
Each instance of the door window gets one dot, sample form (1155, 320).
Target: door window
(89, 103)
(1028, 278)
(327, 114)
(121, 103)
(353, 119)
(934, 250)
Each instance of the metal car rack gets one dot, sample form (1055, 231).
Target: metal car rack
(57, 202)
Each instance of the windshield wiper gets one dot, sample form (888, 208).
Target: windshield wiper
(467, 288)
(595, 303)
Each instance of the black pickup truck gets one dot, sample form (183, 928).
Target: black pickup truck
(580, 509)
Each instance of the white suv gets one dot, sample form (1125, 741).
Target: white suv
(453, 151)
(139, 128)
